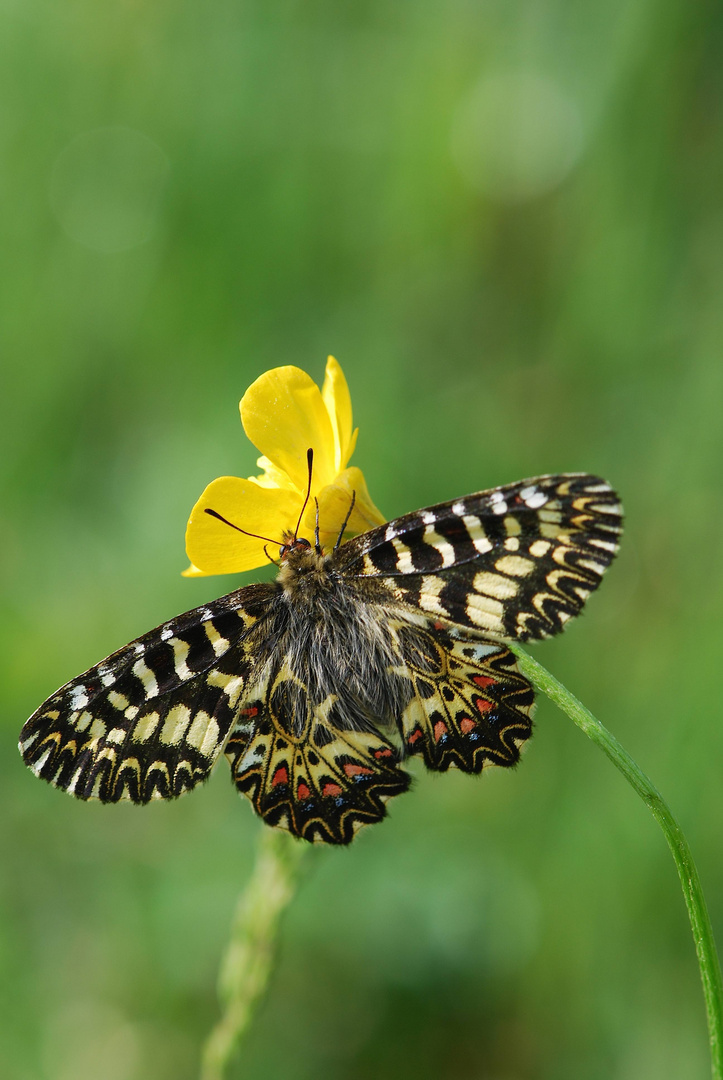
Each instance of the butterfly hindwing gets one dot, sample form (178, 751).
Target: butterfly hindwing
(307, 772)
(150, 720)
(470, 706)
(516, 562)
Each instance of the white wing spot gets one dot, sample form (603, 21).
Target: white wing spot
(180, 652)
(230, 684)
(477, 534)
(551, 516)
(175, 725)
(117, 735)
(404, 557)
(606, 545)
(606, 508)
(204, 734)
(515, 565)
(480, 651)
(147, 677)
(146, 726)
(440, 544)
(118, 701)
(76, 777)
(495, 585)
(218, 642)
(533, 497)
(484, 612)
(166, 633)
(590, 564)
(97, 729)
(83, 721)
(429, 596)
(459, 508)
(79, 697)
(38, 765)
(498, 504)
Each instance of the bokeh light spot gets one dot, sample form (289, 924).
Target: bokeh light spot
(105, 188)
(516, 136)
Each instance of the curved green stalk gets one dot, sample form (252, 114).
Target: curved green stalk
(708, 962)
(246, 967)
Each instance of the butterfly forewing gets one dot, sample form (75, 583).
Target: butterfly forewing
(150, 720)
(516, 562)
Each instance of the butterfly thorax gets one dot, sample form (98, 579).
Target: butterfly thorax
(327, 640)
(303, 571)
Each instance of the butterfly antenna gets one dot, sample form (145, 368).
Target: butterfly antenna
(219, 517)
(310, 464)
(346, 520)
(316, 528)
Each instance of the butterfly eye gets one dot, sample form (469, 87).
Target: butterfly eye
(295, 545)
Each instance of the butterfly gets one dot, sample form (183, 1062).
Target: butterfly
(319, 685)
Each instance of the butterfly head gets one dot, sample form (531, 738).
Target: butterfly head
(293, 544)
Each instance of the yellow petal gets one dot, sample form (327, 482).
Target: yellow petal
(215, 548)
(193, 571)
(334, 503)
(337, 399)
(272, 477)
(283, 414)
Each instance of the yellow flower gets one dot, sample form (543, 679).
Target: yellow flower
(284, 414)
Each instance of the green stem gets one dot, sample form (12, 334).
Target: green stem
(249, 958)
(708, 962)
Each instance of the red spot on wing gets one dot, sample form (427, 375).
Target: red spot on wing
(281, 776)
(385, 752)
(483, 706)
(414, 737)
(440, 729)
(439, 625)
(466, 725)
(331, 789)
(357, 770)
(303, 791)
(248, 712)
(483, 680)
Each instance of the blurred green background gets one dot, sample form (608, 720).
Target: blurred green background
(505, 220)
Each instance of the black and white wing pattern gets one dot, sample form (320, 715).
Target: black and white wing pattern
(318, 686)
(515, 562)
(150, 720)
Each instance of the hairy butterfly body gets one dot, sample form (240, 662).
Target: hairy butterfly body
(317, 686)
